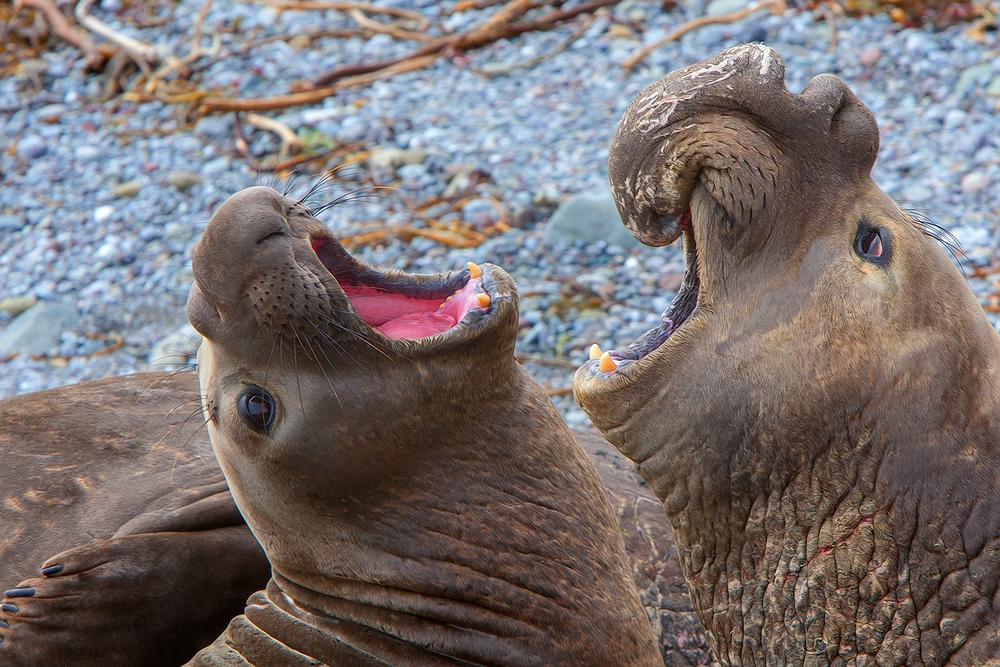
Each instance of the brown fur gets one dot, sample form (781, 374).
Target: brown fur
(420, 502)
(823, 431)
(114, 481)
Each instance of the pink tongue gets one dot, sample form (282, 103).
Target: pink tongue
(417, 325)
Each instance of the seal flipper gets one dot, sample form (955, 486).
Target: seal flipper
(127, 601)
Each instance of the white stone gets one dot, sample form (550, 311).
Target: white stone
(975, 181)
(103, 213)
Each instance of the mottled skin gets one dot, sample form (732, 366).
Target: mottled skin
(111, 486)
(420, 502)
(824, 430)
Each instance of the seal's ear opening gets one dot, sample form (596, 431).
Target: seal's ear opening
(400, 305)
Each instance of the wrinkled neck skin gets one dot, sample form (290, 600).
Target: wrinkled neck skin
(833, 486)
(432, 520)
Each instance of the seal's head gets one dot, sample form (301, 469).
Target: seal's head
(303, 342)
(405, 477)
(821, 340)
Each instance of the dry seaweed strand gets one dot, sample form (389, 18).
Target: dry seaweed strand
(61, 27)
(531, 62)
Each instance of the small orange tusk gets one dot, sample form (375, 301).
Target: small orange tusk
(606, 365)
(595, 351)
(483, 300)
(474, 270)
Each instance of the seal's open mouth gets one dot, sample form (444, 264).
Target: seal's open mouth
(400, 305)
(676, 314)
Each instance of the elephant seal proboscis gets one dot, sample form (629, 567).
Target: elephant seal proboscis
(418, 496)
(819, 410)
(120, 543)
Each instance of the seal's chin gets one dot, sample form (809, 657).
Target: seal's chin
(399, 305)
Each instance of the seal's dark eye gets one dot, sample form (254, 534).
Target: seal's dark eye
(870, 244)
(256, 408)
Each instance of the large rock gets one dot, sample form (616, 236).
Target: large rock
(38, 330)
(589, 216)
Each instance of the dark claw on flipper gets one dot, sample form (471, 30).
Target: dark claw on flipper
(52, 569)
(19, 593)
(8, 607)
(4, 624)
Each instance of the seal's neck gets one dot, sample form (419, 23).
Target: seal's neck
(496, 545)
(883, 541)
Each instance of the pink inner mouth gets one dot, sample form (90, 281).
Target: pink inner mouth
(398, 316)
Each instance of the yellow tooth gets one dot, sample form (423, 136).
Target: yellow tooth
(595, 351)
(448, 298)
(483, 300)
(474, 270)
(606, 365)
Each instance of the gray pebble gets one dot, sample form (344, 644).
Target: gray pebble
(32, 146)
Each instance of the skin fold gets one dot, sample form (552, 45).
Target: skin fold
(823, 429)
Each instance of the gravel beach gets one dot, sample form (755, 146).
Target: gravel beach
(102, 202)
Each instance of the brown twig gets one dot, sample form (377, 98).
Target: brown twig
(562, 391)
(290, 142)
(530, 62)
(359, 17)
(311, 96)
(367, 7)
(826, 11)
(61, 27)
(476, 37)
(777, 7)
(143, 54)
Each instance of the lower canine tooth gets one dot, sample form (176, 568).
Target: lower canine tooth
(483, 300)
(595, 351)
(606, 364)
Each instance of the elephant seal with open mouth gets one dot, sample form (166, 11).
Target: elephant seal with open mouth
(819, 410)
(418, 496)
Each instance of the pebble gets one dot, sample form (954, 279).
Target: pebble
(869, 57)
(32, 146)
(395, 157)
(103, 213)
(974, 181)
(588, 216)
(127, 189)
(15, 305)
(184, 180)
(38, 329)
(175, 350)
(11, 223)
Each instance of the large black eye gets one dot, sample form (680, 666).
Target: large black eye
(872, 243)
(256, 408)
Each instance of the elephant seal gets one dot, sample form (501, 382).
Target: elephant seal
(111, 490)
(418, 496)
(91, 480)
(819, 410)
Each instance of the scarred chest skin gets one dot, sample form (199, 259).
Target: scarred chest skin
(823, 428)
